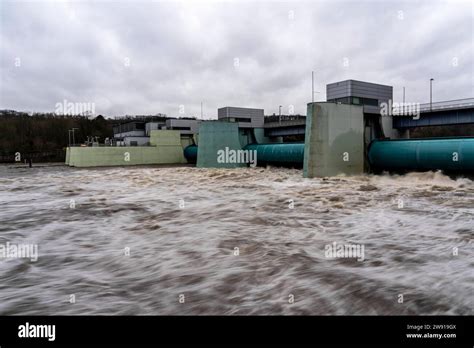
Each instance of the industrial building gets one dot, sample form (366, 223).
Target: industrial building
(185, 126)
(245, 117)
(353, 92)
(369, 96)
(149, 126)
(137, 133)
(347, 134)
(129, 129)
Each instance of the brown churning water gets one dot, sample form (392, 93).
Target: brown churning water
(243, 241)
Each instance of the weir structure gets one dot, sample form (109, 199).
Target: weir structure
(347, 134)
(165, 148)
(350, 135)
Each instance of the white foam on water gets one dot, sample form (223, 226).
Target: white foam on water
(190, 250)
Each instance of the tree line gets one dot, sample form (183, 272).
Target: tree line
(44, 136)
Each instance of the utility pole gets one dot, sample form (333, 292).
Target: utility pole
(403, 104)
(312, 93)
(201, 110)
(431, 93)
(73, 139)
(279, 114)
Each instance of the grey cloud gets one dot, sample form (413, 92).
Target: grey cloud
(184, 53)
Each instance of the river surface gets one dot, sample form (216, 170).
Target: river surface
(183, 240)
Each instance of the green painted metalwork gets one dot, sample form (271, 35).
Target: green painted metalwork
(279, 153)
(190, 152)
(447, 154)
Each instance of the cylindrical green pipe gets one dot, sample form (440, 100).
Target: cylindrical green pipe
(190, 153)
(447, 154)
(279, 153)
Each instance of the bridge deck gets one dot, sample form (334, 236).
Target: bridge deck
(452, 112)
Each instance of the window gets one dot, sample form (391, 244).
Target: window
(364, 101)
(370, 101)
(344, 100)
(181, 128)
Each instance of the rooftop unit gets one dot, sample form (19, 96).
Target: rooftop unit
(245, 117)
(186, 126)
(131, 129)
(367, 94)
(154, 126)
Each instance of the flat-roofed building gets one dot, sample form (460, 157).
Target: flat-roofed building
(369, 96)
(135, 141)
(354, 92)
(245, 117)
(154, 126)
(129, 129)
(186, 126)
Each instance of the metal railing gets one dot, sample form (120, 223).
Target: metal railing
(449, 104)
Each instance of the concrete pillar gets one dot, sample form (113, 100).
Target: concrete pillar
(68, 153)
(334, 140)
(216, 136)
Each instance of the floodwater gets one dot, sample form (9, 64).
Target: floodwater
(183, 240)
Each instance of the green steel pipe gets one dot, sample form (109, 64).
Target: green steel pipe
(278, 153)
(190, 153)
(446, 154)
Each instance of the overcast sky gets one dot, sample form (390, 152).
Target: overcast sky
(162, 57)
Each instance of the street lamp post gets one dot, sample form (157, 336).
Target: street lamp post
(312, 87)
(431, 93)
